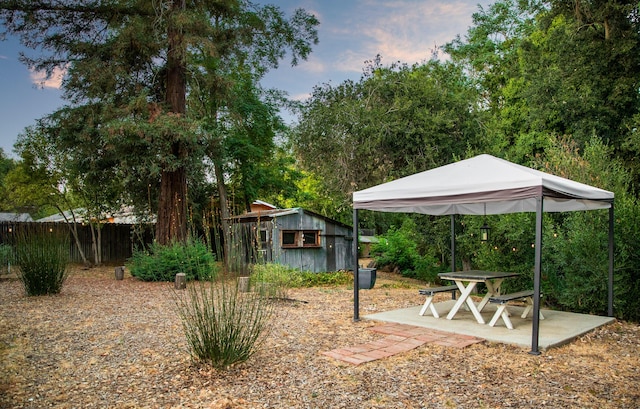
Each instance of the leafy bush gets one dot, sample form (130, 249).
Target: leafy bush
(42, 257)
(399, 249)
(273, 280)
(395, 250)
(162, 263)
(223, 326)
(427, 268)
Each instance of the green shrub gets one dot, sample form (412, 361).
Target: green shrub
(42, 257)
(399, 249)
(223, 326)
(273, 280)
(395, 251)
(427, 268)
(334, 278)
(162, 263)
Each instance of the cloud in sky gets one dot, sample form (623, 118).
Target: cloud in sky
(313, 64)
(407, 30)
(41, 79)
(300, 97)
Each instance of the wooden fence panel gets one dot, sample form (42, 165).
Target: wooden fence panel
(117, 240)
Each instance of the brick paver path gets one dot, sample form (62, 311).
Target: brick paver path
(399, 338)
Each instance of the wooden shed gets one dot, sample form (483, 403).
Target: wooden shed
(295, 237)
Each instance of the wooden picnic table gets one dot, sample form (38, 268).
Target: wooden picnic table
(467, 281)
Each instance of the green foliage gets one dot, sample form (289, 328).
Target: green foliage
(584, 81)
(396, 120)
(309, 191)
(581, 261)
(223, 326)
(273, 280)
(627, 259)
(510, 248)
(396, 249)
(555, 68)
(399, 249)
(34, 181)
(43, 258)
(427, 268)
(325, 279)
(576, 252)
(6, 166)
(134, 120)
(162, 263)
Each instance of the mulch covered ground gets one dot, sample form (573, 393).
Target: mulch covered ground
(119, 344)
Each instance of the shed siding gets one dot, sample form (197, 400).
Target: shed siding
(334, 252)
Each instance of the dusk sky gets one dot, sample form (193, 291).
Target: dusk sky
(350, 33)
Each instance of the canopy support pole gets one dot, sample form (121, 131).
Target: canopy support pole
(453, 243)
(356, 281)
(535, 331)
(610, 292)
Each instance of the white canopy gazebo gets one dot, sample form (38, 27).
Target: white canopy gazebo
(484, 185)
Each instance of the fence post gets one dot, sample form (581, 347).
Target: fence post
(243, 284)
(119, 272)
(181, 281)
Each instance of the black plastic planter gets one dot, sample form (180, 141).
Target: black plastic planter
(366, 278)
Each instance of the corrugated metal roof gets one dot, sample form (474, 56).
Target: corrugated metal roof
(271, 214)
(15, 217)
(126, 215)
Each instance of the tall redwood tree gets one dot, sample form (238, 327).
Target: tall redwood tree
(127, 66)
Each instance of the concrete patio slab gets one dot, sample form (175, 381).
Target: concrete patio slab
(557, 327)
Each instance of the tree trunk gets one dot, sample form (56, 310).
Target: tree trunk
(99, 260)
(95, 244)
(74, 232)
(172, 216)
(224, 212)
(172, 209)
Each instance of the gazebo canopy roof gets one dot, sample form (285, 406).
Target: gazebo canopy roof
(481, 185)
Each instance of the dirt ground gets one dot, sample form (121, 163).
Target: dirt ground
(119, 344)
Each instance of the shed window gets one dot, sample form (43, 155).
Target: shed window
(289, 239)
(310, 239)
(300, 238)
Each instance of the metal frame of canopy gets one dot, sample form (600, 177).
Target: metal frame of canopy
(506, 196)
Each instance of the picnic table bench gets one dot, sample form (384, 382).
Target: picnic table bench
(430, 293)
(504, 299)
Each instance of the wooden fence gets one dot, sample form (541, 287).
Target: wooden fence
(117, 240)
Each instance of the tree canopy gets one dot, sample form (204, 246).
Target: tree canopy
(552, 85)
(395, 121)
(130, 67)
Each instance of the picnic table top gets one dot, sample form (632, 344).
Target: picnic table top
(476, 275)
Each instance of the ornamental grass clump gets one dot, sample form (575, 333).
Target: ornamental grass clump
(43, 259)
(223, 326)
(6, 258)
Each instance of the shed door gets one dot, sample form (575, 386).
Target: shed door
(331, 246)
